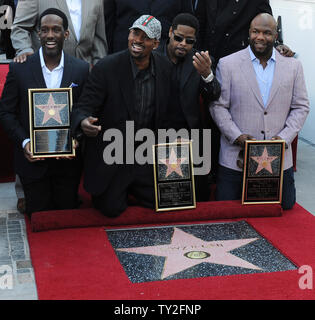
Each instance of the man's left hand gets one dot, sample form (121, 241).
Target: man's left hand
(75, 146)
(285, 50)
(276, 138)
(279, 138)
(202, 62)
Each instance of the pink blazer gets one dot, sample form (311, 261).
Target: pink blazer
(240, 108)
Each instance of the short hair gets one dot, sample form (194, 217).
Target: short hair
(186, 19)
(56, 12)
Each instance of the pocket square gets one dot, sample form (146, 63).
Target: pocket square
(72, 85)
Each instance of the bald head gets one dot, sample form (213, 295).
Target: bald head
(262, 35)
(265, 19)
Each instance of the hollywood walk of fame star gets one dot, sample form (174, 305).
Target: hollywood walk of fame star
(186, 251)
(264, 161)
(51, 110)
(173, 164)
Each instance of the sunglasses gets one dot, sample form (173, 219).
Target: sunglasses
(178, 38)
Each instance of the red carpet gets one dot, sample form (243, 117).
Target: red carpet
(81, 264)
(50, 220)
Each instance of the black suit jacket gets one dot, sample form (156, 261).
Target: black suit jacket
(191, 87)
(109, 95)
(225, 30)
(14, 106)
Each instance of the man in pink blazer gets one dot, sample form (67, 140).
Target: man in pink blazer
(263, 97)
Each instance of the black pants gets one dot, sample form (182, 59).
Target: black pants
(56, 190)
(136, 180)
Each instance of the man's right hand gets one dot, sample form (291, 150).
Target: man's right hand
(28, 155)
(240, 141)
(89, 128)
(22, 57)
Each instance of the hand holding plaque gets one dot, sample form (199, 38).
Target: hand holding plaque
(29, 155)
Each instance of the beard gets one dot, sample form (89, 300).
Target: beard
(262, 53)
(52, 52)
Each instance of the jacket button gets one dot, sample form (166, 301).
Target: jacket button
(265, 113)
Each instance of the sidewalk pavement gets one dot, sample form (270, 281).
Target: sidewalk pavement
(17, 281)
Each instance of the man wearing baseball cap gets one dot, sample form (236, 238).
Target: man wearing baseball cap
(130, 85)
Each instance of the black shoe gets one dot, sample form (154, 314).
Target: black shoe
(21, 205)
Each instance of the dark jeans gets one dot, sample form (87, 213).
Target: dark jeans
(229, 186)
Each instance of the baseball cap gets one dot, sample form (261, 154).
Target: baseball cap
(150, 25)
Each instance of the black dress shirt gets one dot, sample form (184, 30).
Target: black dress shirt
(144, 96)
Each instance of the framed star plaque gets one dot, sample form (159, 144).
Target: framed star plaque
(263, 171)
(173, 176)
(49, 116)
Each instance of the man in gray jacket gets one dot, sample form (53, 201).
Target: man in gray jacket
(87, 40)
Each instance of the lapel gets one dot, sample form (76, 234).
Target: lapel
(248, 71)
(36, 70)
(187, 69)
(127, 87)
(84, 16)
(64, 8)
(276, 77)
(67, 72)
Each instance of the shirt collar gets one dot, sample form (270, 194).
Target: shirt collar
(135, 69)
(253, 57)
(42, 61)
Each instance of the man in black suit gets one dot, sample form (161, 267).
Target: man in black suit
(48, 183)
(192, 76)
(224, 25)
(130, 85)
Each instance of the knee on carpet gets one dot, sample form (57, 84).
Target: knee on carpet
(111, 213)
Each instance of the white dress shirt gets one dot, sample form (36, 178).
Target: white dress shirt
(52, 78)
(75, 10)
